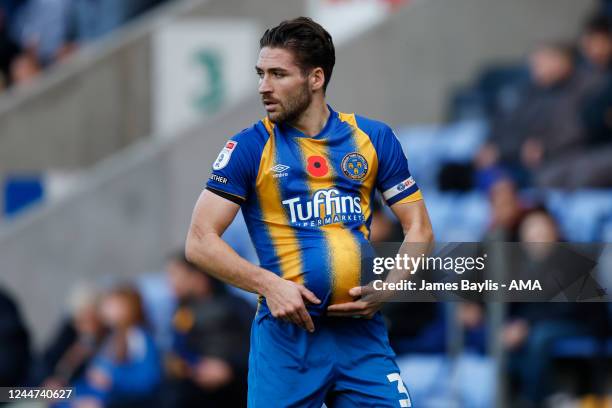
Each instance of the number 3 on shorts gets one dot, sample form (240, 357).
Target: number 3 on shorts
(401, 389)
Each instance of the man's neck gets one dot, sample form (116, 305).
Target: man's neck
(313, 120)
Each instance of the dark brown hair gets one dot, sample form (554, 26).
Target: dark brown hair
(310, 43)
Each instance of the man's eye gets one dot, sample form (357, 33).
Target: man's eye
(278, 75)
(260, 74)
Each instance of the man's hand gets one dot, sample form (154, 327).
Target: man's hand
(417, 241)
(99, 379)
(366, 306)
(286, 301)
(212, 373)
(176, 367)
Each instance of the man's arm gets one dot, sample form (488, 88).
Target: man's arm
(205, 248)
(415, 221)
(418, 236)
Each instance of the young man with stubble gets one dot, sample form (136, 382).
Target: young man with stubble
(305, 178)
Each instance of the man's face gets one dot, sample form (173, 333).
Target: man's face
(179, 279)
(549, 66)
(284, 89)
(538, 227)
(597, 47)
(505, 203)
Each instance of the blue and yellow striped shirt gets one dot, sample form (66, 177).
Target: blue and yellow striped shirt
(307, 201)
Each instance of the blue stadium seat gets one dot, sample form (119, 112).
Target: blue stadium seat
(428, 147)
(21, 191)
(421, 149)
(579, 347)
(581, 214)
(458, 217)
(606, 230)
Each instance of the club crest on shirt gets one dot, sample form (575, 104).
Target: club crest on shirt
(354, 166)
(224, 155)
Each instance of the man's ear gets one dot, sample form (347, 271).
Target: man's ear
(317, 79)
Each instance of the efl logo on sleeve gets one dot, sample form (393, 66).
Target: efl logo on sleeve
(397, 189)
(225, 154)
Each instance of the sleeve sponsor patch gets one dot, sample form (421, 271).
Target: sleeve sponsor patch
(398, 188)
(224, 155)
(218, 179)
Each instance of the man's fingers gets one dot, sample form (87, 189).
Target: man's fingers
(347, 307)
(362, 291)
(300, 317)
(343, 314)
(286, 318)
(295, 319)
(367, 313)
(356, 291)
(308, 295)
(307, 322)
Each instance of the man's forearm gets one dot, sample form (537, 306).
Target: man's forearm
(211, 253)
(417, 241)
(419, 234)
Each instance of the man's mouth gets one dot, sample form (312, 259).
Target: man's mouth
(270, 105)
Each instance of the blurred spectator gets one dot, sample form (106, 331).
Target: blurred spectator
(10, 7)
(14, 344)
(24, 68)
(208, 364)
(545, 125)
(76, 342)
(126, 370)
(43, 27)
(596, 46)
(596, 50)
(506, 211)
(533, 328)
(507, 135)
(589, 165)
(8, 48)
(50, 30)
(159, 303)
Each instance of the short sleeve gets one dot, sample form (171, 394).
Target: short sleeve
(394, 179)
(233, 170)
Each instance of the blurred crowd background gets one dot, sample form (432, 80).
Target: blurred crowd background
(95, 292)
(37, 34)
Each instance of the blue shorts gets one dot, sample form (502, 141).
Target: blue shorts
(346, 363)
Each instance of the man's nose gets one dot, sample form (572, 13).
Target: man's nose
(264, 85)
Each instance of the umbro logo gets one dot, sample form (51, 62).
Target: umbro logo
(280, 170)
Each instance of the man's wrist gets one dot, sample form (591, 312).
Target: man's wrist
(265, 281)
